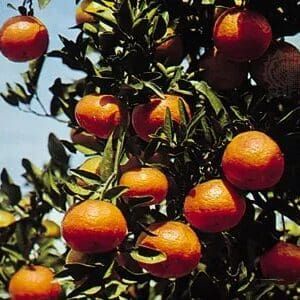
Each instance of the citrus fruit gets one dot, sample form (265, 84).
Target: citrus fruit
(242, 34)
(145, 182)
(94, 226)
(52, 229)
(148, 117)
(99, 114)
(84, 139)
(178, 242)
(34, 283)
(278, 70)
(214, 206)
(221, 73)
(171, 50)
(281, 262)
(6, 218)
(253, 161)
(91, 165)
(23, 38)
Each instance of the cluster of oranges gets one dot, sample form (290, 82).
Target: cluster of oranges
(251, 161)
(243, 44)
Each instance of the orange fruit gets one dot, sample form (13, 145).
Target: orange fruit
(253, 161)
(145, 182)
(6, 218)
(94, 226)
(281, 262)
(241, 34)
(178, 242)
(23, 38)
(278, 70)
(85, 139)
(214, 206)
(170, 51)
(221, 73)
(99, 114)
(148, 117)
(91, 165)
(52, 230)
(34, 283)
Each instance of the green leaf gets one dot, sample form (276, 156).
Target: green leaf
(76, 190)
(125, 16)
(88, 177)
(57, 150)
(196, 120)
(148, 255)
(115, 192)
(168, 125)
(43, 3)
(107, 162)
(159, 27)
(114, 289)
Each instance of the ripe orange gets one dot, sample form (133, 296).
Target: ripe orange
(94, 226)
(34, 283)
(242, 34)
(148, 117)
(52, 230)
(278, 70)
(145, 182)
(6, 218)
(178, 242)
(85, 139)
(99, 114)
(253, 161)
(91, 165)
(170, 51)
(221, 73)
(214, 206)
(23, 38)
(282, 262)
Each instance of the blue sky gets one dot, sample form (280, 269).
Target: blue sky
(24, 135)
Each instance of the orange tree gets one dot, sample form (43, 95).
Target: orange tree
(205, 212)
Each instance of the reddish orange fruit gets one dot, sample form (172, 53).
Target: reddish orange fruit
(221, 73)
(148, 117)
(94, 226)
(281, 262)
(242, 34)
(170, 51)
(253, 161)
(145, 182)
(178, 242)
(214, 206)
(34, 283)
(278, 70)
(23, 38)
(99, 114)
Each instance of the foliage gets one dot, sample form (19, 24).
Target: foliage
(116, 56)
